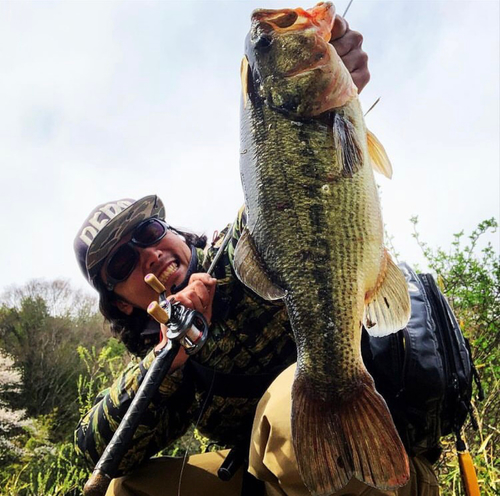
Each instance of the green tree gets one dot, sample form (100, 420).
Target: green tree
(41, 326)
(12, 420)
(49, 468)
(63, 356)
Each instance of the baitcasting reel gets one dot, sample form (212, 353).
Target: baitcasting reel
(188, 327)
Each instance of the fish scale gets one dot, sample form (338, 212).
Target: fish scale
(310, 215)
(314, 238)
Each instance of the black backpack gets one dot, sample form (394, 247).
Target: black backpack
(425, 371)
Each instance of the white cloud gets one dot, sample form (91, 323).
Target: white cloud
(104, 100)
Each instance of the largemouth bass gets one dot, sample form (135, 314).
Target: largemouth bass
(314, 238)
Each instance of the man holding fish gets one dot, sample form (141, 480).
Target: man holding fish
(305, 267)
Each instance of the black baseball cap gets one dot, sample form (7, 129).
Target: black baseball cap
(105, 227)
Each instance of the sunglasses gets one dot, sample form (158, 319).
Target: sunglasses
(123, 261)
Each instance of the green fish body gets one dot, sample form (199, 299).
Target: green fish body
(314, 238)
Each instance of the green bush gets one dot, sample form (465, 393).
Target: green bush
(41, 326)
(44, 467)
(49, 468)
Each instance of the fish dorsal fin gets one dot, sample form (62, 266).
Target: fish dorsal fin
(250, 269)
(347, 146)
(244, 80)
(388, 305)
(379, 159)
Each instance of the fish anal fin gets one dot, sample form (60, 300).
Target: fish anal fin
(346, 436)
(388, 304)
(347, 146)
(251, 271)
(378, 156)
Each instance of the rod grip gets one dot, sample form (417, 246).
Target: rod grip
(97, 485)
(234, 460)
(108, 464)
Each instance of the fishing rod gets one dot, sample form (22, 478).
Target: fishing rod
(185, 327)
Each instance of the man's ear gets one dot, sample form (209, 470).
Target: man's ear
(124, 307)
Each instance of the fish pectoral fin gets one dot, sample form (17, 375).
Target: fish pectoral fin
(388, 306)
(347, 145)
(251, 270)
(378, 156)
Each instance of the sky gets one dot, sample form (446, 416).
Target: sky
(102, 100)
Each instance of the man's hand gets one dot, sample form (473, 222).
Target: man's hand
(197, 295)
(348, 43)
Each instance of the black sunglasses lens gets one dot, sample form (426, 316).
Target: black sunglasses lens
(148, 233)
(122, 263)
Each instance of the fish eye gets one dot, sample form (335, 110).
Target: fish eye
(263, 41)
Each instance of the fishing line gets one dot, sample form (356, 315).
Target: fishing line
(186, 453)
(376, 101)
(347, 8)
(210, 270)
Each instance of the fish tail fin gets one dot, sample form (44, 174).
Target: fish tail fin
(338, 438)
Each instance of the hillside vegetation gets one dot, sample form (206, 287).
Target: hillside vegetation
(56, 355)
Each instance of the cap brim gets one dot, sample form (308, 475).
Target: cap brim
(117, 227)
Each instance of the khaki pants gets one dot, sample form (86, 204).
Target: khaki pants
(271, 459)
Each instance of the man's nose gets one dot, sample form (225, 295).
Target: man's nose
(149, 255)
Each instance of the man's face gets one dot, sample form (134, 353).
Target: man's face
(168, 260)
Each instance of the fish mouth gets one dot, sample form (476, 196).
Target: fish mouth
(321, 17)
(293, 65)
(166, 275)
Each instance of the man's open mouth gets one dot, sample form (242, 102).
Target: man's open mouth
(167, 273)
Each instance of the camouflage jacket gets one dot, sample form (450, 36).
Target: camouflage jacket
(248, 337)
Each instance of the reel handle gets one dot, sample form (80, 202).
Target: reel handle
(154, 283)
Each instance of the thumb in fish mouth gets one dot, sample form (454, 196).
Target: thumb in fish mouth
(348, 45)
